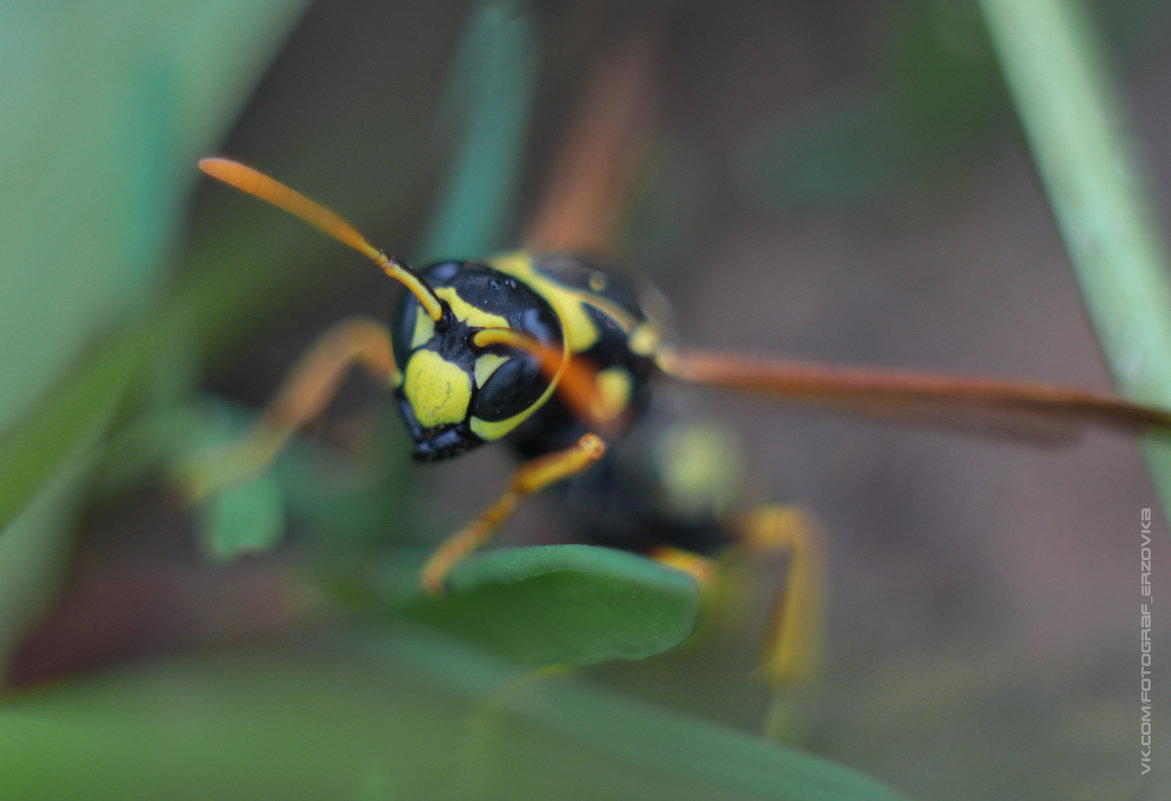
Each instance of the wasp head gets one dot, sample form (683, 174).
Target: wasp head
(452, 393)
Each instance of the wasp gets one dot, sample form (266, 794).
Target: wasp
(556, 357)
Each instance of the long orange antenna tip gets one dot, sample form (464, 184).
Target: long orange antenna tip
(256, 183)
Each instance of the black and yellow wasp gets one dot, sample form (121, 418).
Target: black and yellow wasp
(554, 356)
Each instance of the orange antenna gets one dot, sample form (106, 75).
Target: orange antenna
(272, 191)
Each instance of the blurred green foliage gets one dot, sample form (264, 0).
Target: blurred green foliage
(112, 105)
(401, 714)
(104, 108)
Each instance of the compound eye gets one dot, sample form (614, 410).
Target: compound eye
(514, 384)
(443, 272)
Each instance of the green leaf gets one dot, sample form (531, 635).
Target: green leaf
(407, 715)
(564, 604)
(32, 551)
(246, 518)
(63, 425)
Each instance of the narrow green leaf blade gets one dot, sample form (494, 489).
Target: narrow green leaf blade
(492, 84)
(404, 715)
(1079, 137)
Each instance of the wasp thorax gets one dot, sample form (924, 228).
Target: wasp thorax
(453, 394)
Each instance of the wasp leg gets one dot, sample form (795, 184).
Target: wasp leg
(528, 479)
(792, 643)
(310, 386)
(700, 568)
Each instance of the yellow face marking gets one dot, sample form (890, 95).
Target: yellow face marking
(472, 315)
(486, 365)
(424, 330)
(597, 282)
(614, 387)
(700, 568)
(439, 392)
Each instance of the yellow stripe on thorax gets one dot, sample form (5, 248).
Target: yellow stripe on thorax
(579, 330)
(613, 391)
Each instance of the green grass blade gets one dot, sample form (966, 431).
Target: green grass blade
(1067, 104)
(492, 86)
(406, 715)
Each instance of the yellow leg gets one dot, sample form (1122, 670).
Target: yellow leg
(700, 568)
(529, 478)
(310, 386)
(792, 646)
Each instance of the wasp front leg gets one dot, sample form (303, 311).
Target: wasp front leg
(792, 642)
(531, 477)
(309, 388)
(792, 645)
